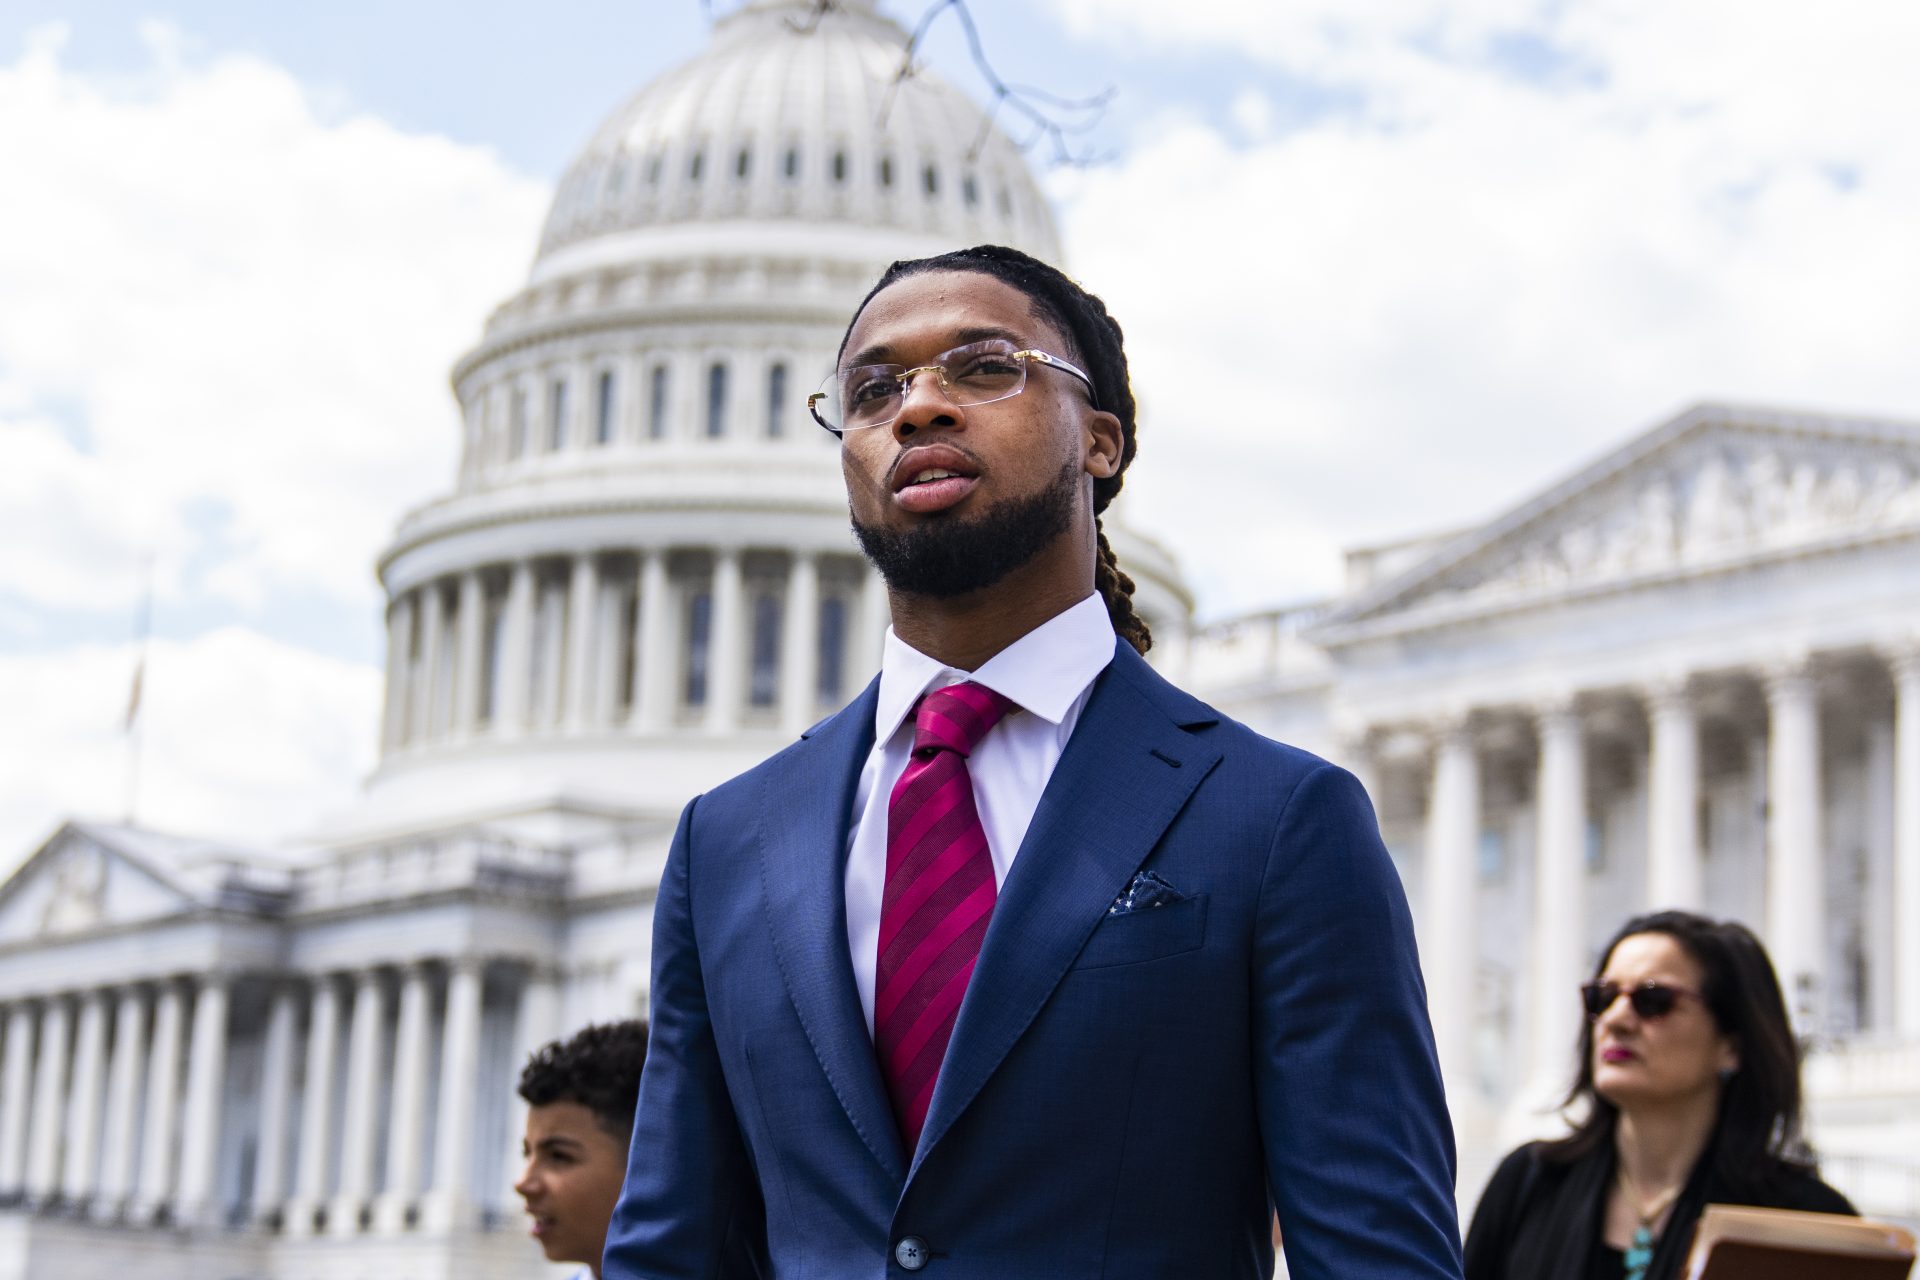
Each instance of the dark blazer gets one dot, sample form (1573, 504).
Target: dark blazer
(1541, 1220)
(1122, 1093)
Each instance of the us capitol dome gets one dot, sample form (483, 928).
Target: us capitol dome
(644, 580)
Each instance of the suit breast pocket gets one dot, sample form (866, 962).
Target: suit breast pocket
(1153, 933)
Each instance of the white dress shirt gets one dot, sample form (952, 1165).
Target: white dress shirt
(1047, 674)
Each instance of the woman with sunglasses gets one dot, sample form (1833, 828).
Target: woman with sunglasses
(1688, 1094)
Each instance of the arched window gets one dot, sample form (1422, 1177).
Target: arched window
(557, 415)
(931, 177)
(654, 167)
(603, 409)
(697, 165)
(699, 633)
(743, 163)
(969, 191)
(763, 683)
(831, 689)
(839, 166)
(657, 404)
(777, 401)
(493, 639)
(616, 180)
(517, 424)
(886, 171)
(792, 165)
(716, 400)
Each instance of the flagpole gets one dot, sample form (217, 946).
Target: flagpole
(142, 634)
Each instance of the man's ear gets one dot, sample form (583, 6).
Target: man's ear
(1105, 443)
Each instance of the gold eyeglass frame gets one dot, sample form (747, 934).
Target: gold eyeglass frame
(938, 369)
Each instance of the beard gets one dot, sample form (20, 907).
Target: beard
(946, 558)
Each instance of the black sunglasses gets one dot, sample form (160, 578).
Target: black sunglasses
(1649, 999)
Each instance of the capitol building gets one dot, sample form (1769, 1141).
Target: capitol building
(1688, 674)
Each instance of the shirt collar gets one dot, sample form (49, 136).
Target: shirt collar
(1045, 671)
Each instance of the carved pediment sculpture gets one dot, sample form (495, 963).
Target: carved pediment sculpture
(77, 899)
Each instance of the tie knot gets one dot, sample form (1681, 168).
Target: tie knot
(957, 717)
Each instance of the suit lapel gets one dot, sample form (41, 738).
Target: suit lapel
(804, 819)
(1127, 771)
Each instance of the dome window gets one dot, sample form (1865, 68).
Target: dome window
(931, 178)
(777, 401)
(616, 180)
(763, 685)
(657, 404)
(603, 409)
(839, 166)
(792, 165)
(716, 400)
(970, 191)
(697, 165)
(699, 633)
(557, 415)
(743, 163)
(1006, 204)
(886, 171)
(654, 166)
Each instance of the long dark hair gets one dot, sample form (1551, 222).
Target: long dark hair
(1098, 345)
(1757, 1137)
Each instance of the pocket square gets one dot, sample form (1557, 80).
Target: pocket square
(1146, 890)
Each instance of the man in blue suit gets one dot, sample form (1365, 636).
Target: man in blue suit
(1026, 964)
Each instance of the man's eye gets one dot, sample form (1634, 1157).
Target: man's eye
(870, 390)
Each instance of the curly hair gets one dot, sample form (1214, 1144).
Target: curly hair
(597, 1067)
(1094, 340)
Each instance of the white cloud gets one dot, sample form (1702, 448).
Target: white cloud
(242, 738)
(1415, 312)
(246, 307)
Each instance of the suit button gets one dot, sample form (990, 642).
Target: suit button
(912, 1253)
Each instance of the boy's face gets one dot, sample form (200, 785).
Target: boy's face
(571, 1181)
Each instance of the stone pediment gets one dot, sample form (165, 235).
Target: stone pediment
(90, 877)
(1715, 488)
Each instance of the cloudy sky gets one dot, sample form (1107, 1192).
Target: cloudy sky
(1384, 267)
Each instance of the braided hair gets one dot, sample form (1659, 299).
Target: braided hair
(1096, 343)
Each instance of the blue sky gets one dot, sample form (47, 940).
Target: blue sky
(1384, 269)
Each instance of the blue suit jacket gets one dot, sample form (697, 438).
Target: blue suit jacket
(1122, 1094)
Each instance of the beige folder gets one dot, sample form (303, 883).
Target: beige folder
(1734, 1242)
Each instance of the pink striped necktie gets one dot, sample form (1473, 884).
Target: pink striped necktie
(938, 897)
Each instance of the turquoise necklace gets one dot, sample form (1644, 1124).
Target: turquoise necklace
(1640, 1250)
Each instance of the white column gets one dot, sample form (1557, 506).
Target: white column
(516, 652)
(582, 608)
(426, 691)
(1796, 890)
(362, 1106)
(1674, 870)
(49, 1101)
(1906, 841)
(15, 1088)
(406, 1130)
(311, 1182)
(123, 1100)
(800, 646)
(1559, 896)
(470, 640)
(537, 1021)
(446, 1205)
(399, 642)
(726, 649)
(1449, 882)
(163, 1103)
(875, 615)
(654, 647)
(276, 1089)
(206, 1087)
(83, 1105)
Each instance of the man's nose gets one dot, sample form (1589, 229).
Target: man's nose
(529, 1184)
(924, 402)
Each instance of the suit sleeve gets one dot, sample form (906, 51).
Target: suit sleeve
(690, 1207)
(1359, 1145)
